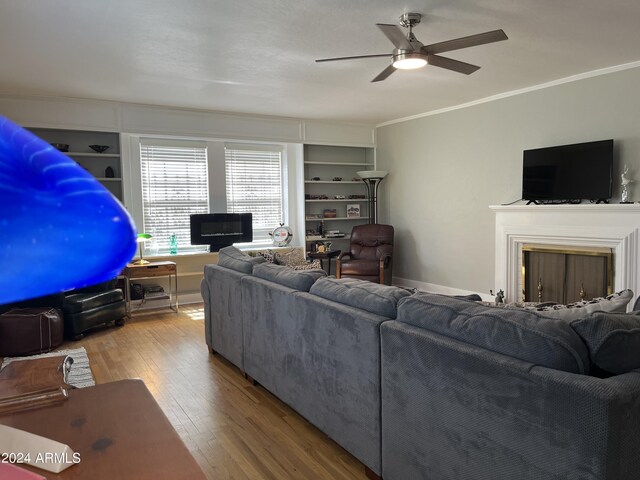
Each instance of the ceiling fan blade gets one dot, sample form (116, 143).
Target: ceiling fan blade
(465, 42)
(384, 74)
(396, 35)
(451, 64)
(354, 57)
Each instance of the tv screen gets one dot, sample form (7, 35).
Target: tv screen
(581, 171)
(220, 230)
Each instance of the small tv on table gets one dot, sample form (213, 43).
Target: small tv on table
(568, 173)
(219, 230)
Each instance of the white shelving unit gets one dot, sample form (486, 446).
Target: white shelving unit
(95, 163)
(327, 162)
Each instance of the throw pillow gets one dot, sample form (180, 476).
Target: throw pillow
(614, 303)
(295, 259)
(269, 256)
(288, 277)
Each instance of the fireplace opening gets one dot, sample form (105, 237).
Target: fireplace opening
(551, 273)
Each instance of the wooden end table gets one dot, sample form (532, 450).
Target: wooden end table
(325, 256)
(150, 270)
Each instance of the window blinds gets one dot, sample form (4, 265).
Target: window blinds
(254, 184)
(174, 186)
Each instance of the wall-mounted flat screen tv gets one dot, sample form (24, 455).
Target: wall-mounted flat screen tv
(568, 173)
(220, 230)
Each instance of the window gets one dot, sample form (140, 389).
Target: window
(254, 185)
(174, 185)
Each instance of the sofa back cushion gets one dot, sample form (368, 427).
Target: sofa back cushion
(297, 279)
(372, 297)
(613, 340)
(231, 257)
(517, 333)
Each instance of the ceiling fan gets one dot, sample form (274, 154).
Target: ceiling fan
(410, 53)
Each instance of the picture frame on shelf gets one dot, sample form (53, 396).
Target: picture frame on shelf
(329, 213)
(353, 210)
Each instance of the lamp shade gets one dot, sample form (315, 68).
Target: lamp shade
(143, 237)
(364, 174)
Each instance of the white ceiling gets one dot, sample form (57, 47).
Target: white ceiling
(257, 56)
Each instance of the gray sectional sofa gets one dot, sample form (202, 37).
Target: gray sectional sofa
(428, 386)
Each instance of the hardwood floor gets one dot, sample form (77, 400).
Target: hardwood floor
(233, 429)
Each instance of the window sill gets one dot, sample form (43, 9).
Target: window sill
(164, 257)
(244, 248)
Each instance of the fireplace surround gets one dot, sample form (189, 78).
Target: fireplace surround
(599, 226)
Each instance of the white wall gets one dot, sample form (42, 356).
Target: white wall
(445, 170)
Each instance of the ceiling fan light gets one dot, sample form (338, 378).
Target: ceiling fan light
(409, 61)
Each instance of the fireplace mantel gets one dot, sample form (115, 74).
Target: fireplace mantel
(612, 226)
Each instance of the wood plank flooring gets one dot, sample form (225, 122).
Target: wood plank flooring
(233, 429)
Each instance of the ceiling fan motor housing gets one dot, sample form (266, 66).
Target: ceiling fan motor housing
(408, 20)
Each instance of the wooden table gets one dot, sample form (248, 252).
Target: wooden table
(149, 270)
(119, 431)
(325, 256)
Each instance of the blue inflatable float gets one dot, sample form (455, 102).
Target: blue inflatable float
(59, 227)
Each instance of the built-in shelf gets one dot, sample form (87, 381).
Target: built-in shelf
(327, 162)
(334, 182)
(315, 238)
(338, 200)
(97, 164)
(341, 164)
(92, 154)
(332, 219)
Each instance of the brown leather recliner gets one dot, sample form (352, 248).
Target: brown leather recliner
(370, 254)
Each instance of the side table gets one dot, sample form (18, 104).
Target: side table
(325, 256)
(151, 270)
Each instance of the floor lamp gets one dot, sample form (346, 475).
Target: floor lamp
(372, 179)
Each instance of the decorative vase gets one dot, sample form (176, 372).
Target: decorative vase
(173, 244)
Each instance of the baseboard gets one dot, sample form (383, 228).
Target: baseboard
(442, 289)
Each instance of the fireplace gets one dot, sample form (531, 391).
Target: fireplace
(613, 227)
(565, 274)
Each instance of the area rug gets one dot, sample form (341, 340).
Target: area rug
(80, 375)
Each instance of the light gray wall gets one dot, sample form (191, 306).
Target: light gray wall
(446, 169)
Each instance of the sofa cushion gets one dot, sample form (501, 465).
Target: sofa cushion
(231, 257)
(614, 303)
(613, 340)
(517, 333)
(297, 279)
(372, 297)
